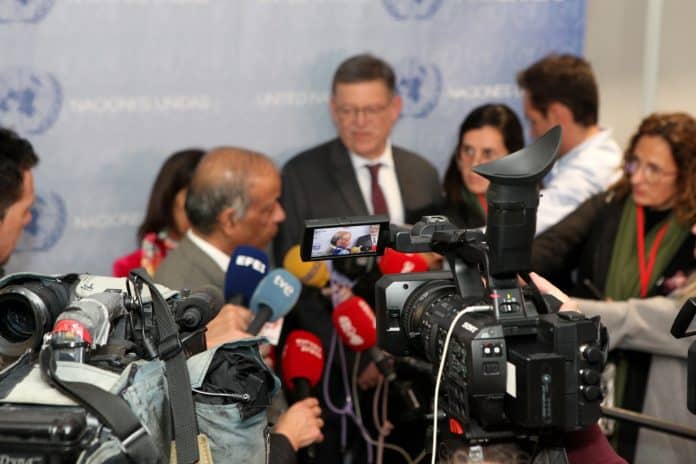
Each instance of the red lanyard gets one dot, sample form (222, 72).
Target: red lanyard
(482, 200)
(646, 269)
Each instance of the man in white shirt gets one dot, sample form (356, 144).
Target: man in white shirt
(561, 90)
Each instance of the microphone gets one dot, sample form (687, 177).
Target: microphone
(248, 265)
(199, 308)
(311, 273)
(395, 262)
(303, 362)
(85, 322)
(275, 295)
(355, 323)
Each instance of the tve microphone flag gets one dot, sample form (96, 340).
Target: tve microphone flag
(275, 295)
(247, 267)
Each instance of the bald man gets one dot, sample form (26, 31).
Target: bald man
(233, 201)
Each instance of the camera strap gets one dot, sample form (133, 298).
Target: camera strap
(112, 410)
(178, 381)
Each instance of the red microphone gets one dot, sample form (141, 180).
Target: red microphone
(395, 262)
(355, 323)
(303, 362)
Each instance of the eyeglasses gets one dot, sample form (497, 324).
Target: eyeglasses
(369, 112)
(652, 172)
(486, 154)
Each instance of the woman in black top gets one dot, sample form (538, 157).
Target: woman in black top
(487, 133)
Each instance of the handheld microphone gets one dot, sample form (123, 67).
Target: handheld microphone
(355, 323)
(303, 363)
(199, 308)
(275, 295)
(248, 265)
(395, 262)
(311, 273)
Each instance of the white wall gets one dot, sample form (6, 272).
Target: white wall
(614, 44)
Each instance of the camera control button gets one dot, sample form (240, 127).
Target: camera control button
(591, 393)
(491, 368)
(592, 353)
(590, 376)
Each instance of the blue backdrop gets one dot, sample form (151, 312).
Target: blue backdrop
(106, 89)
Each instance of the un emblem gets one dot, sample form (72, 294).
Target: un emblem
(29, 101)
(24, 11)
(48, 219)
(412, 9)
(420, 86)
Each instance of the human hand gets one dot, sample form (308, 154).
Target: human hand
(266, 351)
(301, 423)
(434, 260)
(369, 377)
(229, 325)
(546, 287)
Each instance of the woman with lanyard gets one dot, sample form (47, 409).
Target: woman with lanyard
(633, 241)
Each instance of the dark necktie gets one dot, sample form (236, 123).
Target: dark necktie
(379, 204)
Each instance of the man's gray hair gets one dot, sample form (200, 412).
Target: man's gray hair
(219, 184)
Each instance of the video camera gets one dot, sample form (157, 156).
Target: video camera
(66, 332)
(512, 365)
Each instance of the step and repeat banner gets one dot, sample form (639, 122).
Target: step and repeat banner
(107, 89)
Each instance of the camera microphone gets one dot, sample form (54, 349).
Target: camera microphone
(355, 323)
(200, 307)
(248, 265)
(85, 322)
(311, 273)
(395, 262)
(274, 297)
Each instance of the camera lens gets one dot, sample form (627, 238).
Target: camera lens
(27, 310)
(17, 323)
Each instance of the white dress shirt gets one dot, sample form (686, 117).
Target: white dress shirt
(221, 258)
(387, 181)
(587, 169)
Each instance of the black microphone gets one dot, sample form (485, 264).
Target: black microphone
(199, 308)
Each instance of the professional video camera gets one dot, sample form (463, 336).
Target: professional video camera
(509, 365)
(61, 329)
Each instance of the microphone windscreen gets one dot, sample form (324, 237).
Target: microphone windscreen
(395, 262)
(247, 267)
(355, 323)
(302, 358)
(209, 299)
(311, 273)
(278, 291)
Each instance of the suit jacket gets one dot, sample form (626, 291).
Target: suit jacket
(187, 266)
(364, 242)
(321, 183)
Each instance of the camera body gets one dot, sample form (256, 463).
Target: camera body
(513, 366)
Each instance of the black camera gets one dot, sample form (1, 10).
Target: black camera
(65, 322)
(512, 366)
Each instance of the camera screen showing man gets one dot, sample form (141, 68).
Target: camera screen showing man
(338, 241)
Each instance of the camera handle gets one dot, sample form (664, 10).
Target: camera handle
(649, 422)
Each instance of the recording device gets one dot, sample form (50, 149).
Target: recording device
(108, 323)
(508, 365)
(354, 321)
(275, 295)
(313, 274)
(248, 265)
(394, 262)
(303, 363)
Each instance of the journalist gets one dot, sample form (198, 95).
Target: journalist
(233, 201)
(17, 158)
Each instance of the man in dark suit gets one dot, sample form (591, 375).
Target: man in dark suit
(356, 174)
(368, 242)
